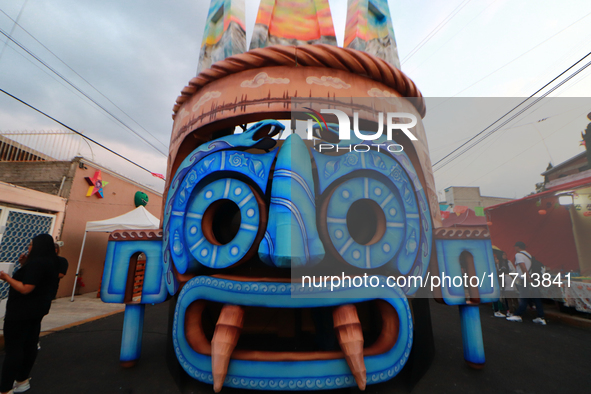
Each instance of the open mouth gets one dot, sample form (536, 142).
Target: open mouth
(254, 334)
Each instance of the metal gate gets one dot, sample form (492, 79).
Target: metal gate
(17, 228)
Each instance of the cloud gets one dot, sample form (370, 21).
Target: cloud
(375, 92)
(141, 54)
(385, 95)
(332, 82)
(205, 98)
(263, 79)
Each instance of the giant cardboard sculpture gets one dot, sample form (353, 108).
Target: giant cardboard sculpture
(243, 209)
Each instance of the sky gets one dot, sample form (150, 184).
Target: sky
(473, 59)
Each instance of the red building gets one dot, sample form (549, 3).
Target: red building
(556, 230)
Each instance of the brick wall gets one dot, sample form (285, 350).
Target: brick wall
(44, 176)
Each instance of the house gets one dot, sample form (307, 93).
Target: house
(470, 197)
(41, 194)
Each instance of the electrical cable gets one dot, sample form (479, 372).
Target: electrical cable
(60, 82)
(80, 91)
(81, 77)
(410, 72)
(580, 79)
(14, 25)
(435, 31)
(523, 54)
(75, 131)
(477, 157)
(524, 150)
(43, 70)
(514, 116)
(563, 58)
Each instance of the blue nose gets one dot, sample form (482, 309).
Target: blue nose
(291, 239)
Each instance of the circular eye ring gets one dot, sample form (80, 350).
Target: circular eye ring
(381, 243)
(221, 249)
(221, 222)
(366, 221)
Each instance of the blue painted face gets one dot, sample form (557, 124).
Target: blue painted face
(230, 209)
(277, 206)
(242, 215)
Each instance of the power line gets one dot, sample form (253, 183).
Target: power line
(435, 30)
(580, 79)
(451, 38)
(76, 131)
(509, 120)
(81, 77)
(517, 126)
(512, 117)
(563, 58)
(14, 25)
(523, 54)
(44, 70)
(524, 150)
(79, 90)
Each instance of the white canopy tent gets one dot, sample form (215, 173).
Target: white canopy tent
(138, 219)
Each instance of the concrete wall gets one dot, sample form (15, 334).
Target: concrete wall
(43, 176)
(118, 199)
(20, 197)
(470, 197)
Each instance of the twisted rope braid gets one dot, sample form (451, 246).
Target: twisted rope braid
(317, 55)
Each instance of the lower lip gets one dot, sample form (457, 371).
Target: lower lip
(326, 370)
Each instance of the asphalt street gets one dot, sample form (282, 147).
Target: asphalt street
(521, 358)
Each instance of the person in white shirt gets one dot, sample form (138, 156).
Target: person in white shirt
(526, 291)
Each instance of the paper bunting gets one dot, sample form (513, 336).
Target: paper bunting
(479, 211)
(459, 209)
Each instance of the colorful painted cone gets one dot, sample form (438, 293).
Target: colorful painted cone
(225, 338)
(350, 336)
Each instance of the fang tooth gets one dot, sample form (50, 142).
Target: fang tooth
(350, 336)
(225, 338)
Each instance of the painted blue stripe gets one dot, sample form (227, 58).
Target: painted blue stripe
(227, 189)
(245, 200)
(194, 215)
(336, 220)
(298, 178)
(387, 200)
(346, 246)
(214, 255)
(192, 248)
(249, 227)
(296, 213)
(270, 242)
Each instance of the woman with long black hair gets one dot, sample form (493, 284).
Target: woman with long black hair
(32, 288)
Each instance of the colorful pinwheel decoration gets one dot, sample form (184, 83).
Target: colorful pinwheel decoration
(96, 185)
